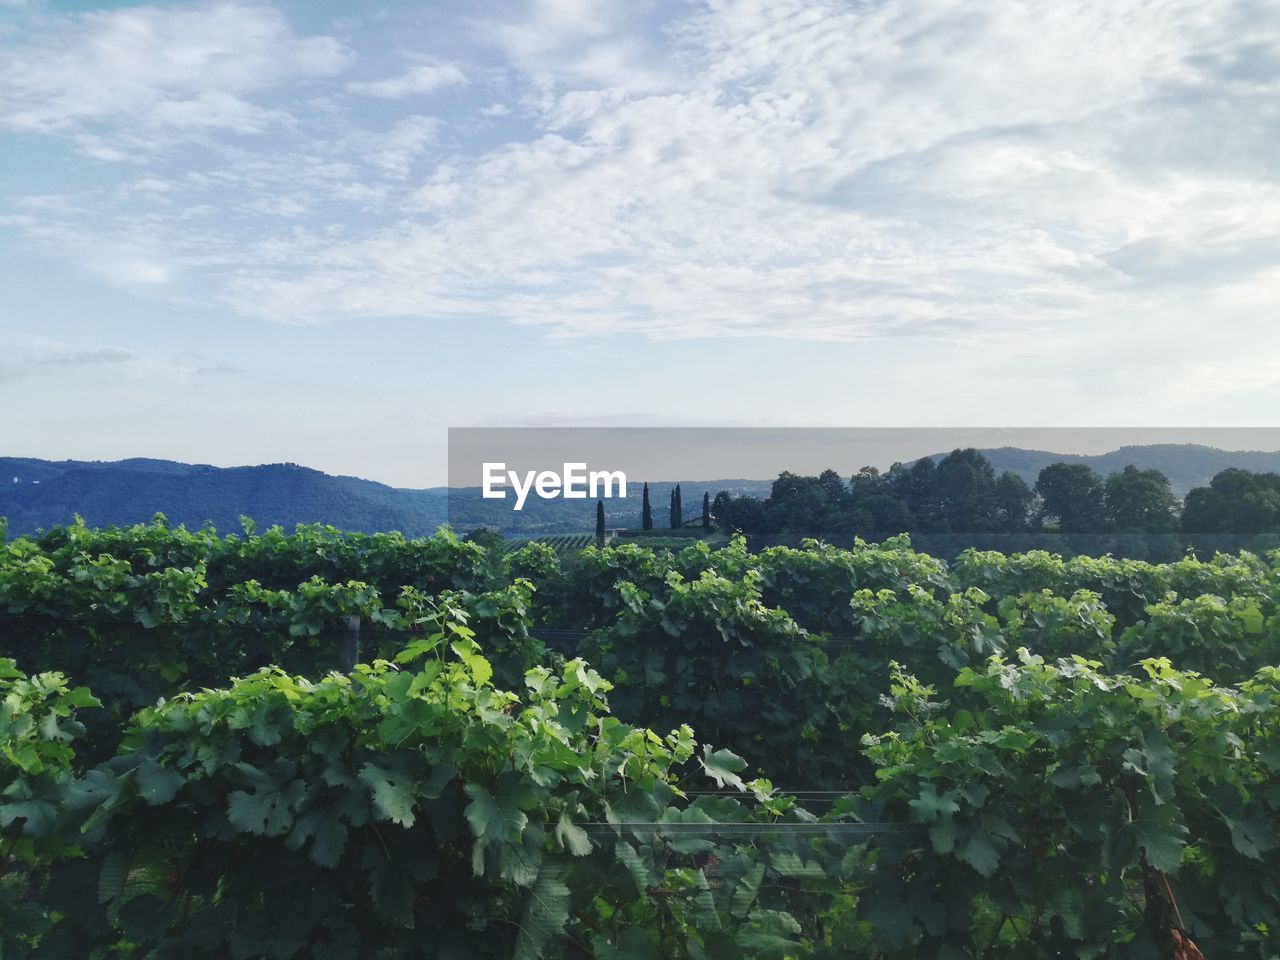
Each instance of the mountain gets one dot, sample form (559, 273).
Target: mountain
(38, 494)
(1187, 465)
(41, 493)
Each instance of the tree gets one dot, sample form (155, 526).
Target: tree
(600, 522)
(867, 482)
(1235, 501)
(743, 515)
(673, 517)
(1013, 502)
(1139, 501)
(679, 508)
(833, 486)
(880, 515)
(1074, 494)
(720, 506)
(646, 514)
(965, 484)
(706, 512)
(917, 487)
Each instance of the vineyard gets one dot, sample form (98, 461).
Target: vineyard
(561, 543)
(333, 745)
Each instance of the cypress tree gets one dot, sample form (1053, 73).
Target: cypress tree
(600, 522)
(706, 512)
(679, 509)
(671, 520)
(646, 515)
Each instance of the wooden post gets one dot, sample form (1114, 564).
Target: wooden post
(349, 644)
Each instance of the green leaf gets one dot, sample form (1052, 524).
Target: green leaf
(266, 810)
(545, 913)
(931, 806)
(769, 934)
(494, 818)
(1250, 833)
(1161, 837)
(944, 834)
(391, 792)
(723, 766)
(111, 878)
(892, 919)
(327, 833)
(639, 865)
(519, 863)
(1068, 904)
(572, 837)
(478, 666)
(744, 893)
(157, 784)
(788, 864)
(978, 850)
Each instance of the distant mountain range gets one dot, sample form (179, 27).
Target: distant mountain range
(41, 493)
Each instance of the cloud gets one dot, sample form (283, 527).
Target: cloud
(585, 43)
(929, 170)
(396, 151)
(932, 172)
(420, 80)
(123, 81)
(30, 357)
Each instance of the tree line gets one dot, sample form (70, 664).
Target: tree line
(962, 494)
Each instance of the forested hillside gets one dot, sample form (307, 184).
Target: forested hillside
(983, 492)
(42, 493)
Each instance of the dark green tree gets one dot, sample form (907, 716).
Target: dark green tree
(1014, 501)
(720, 506)
(801, 505)
(917, 487)
(600, 522)
(1235, 501)
(1139, 501)
(1073, 494)
(966, 485)
(674, 516)
(706, 512)
(867, 482)
(879, 515)
(834, 487)
(646, 514)
(742, 515)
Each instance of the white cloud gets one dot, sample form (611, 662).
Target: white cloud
(586, 43)
(935, 170)
(122, 81)
(27, 357)
(930, 169)
(404, 143)
(420, 80)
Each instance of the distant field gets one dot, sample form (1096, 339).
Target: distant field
(566, 543)
(674, 542)
(688, 533)
(561, 543)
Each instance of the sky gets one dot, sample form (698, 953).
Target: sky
(326, 232)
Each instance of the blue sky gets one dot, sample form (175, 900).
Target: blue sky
(324, 232)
